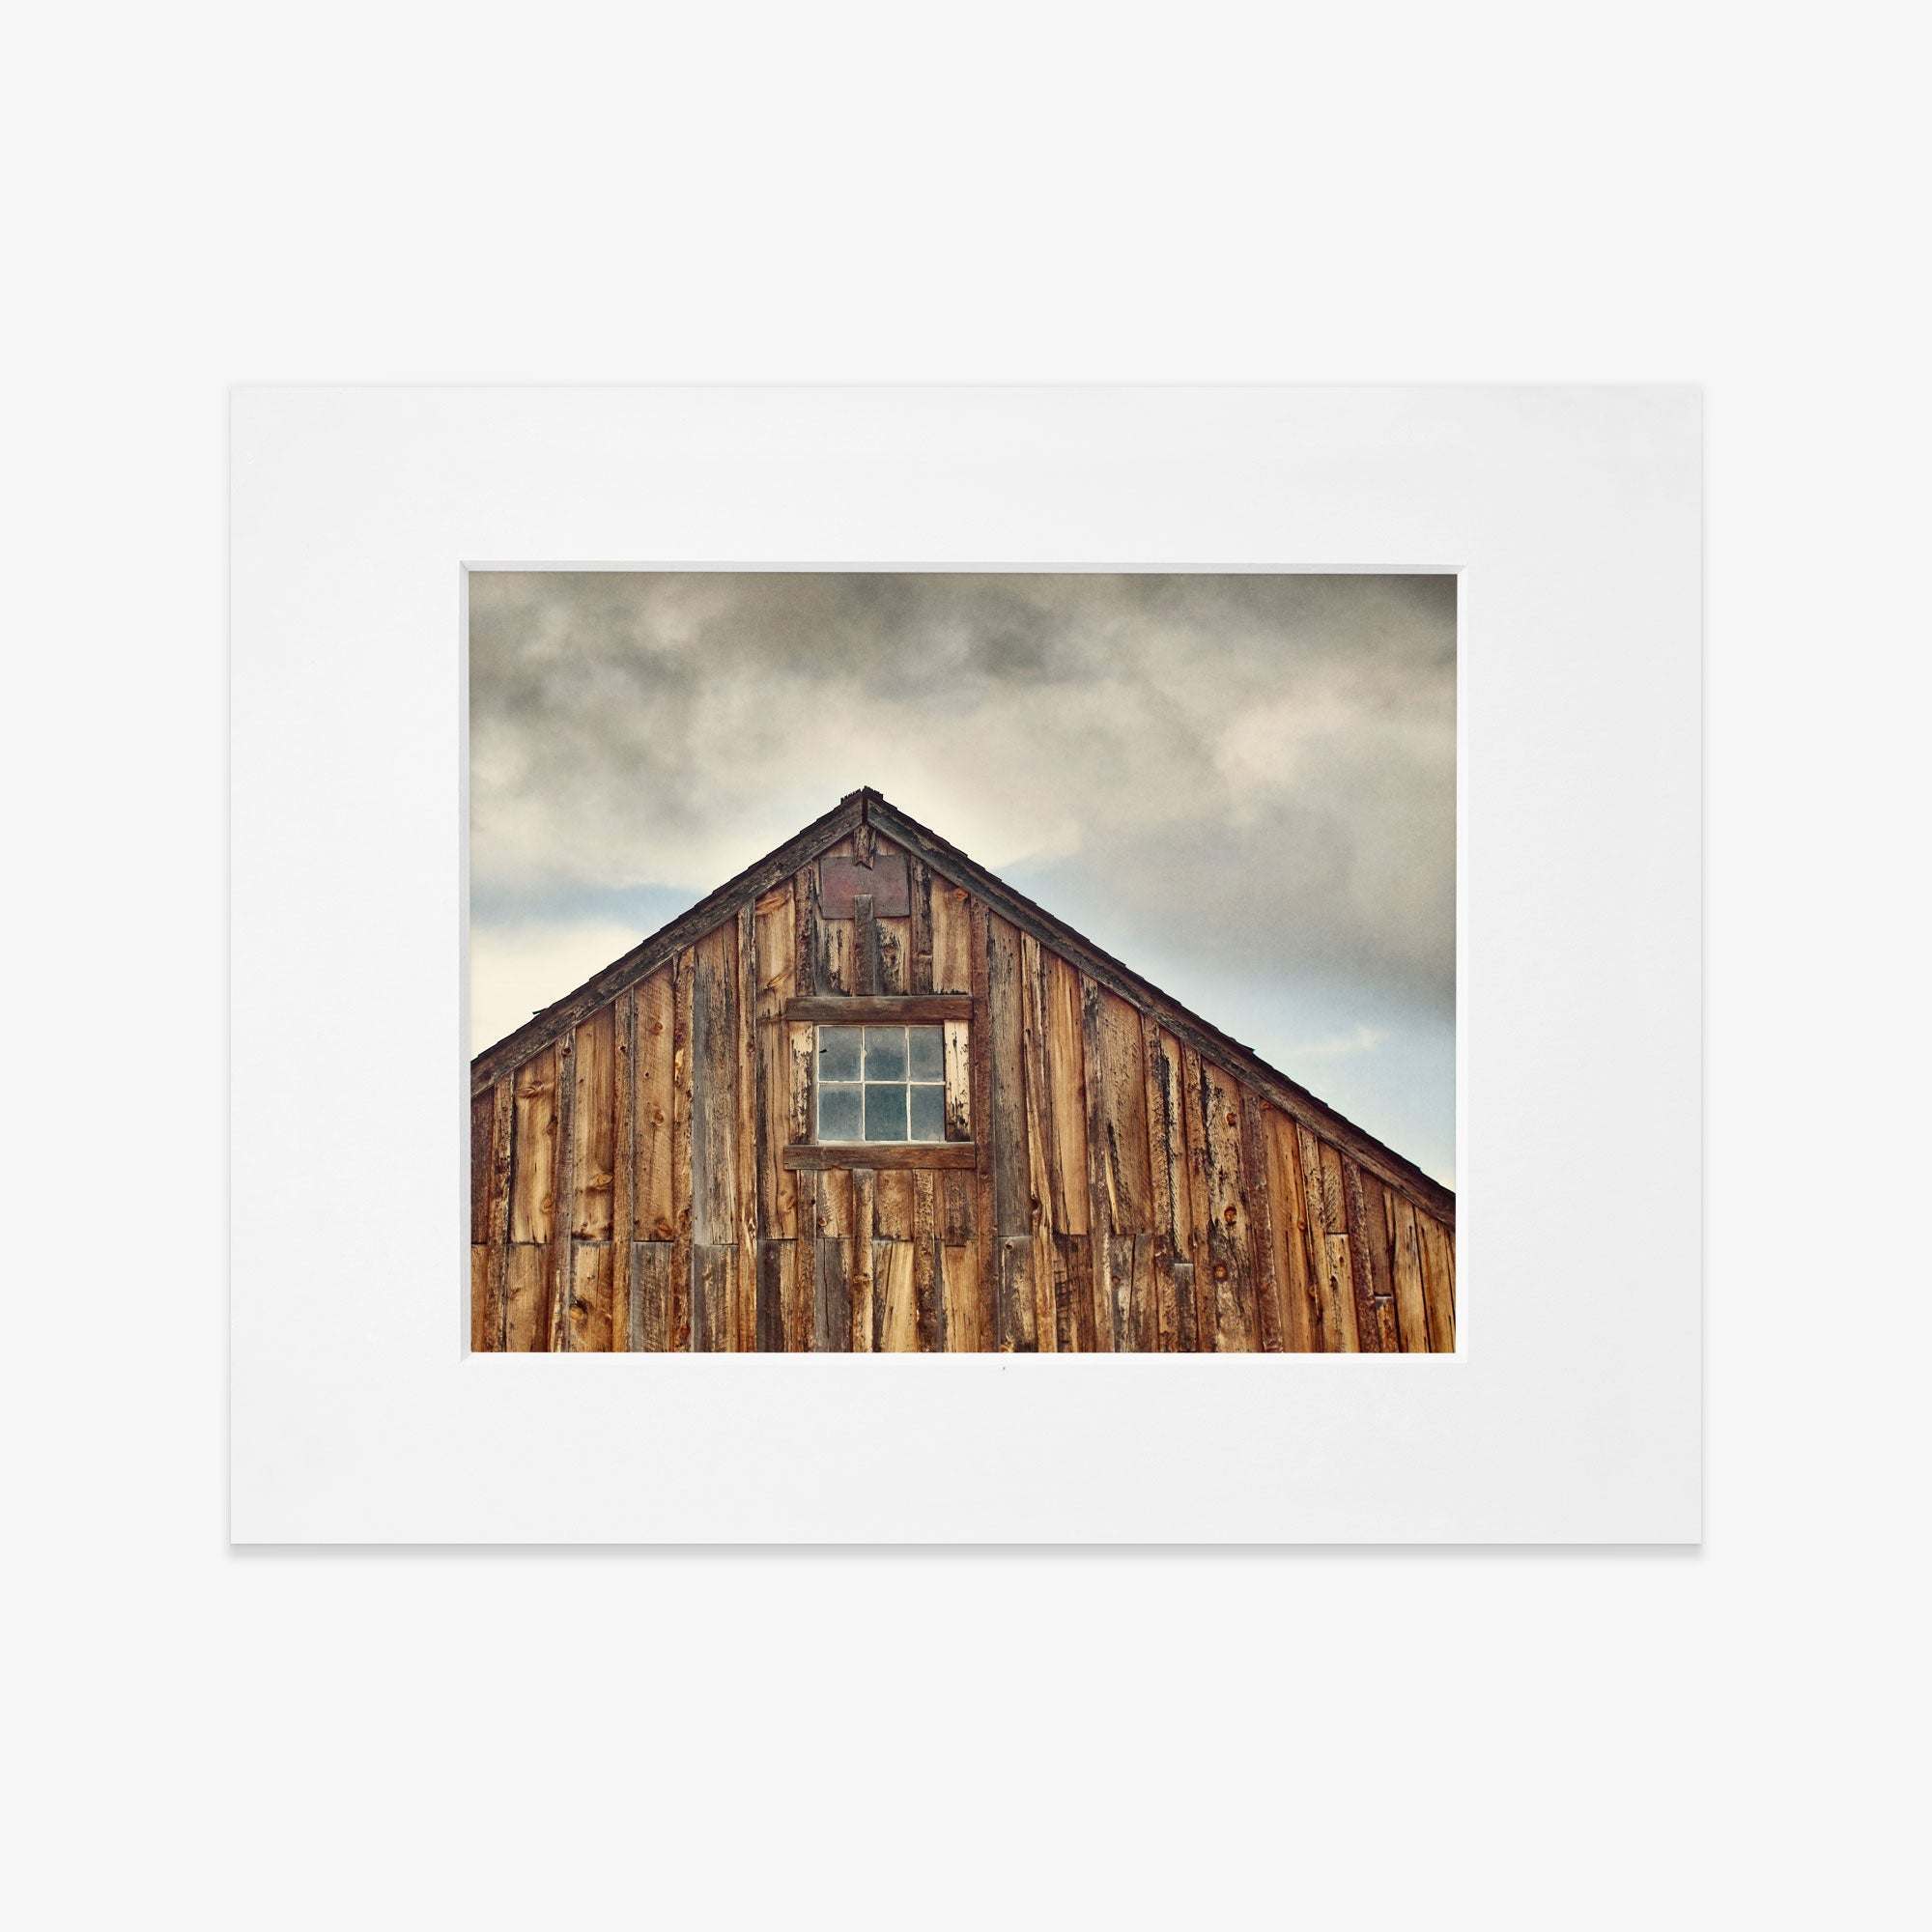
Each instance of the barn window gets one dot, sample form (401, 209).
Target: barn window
(881, 1082)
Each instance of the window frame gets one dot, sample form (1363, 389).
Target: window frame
(902, 1084)
(888, 1009)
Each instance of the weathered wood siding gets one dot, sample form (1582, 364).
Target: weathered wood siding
(1106, 1184)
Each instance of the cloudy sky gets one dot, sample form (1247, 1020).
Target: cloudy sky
(1244, 786)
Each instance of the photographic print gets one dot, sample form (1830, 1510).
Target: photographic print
(884, 961)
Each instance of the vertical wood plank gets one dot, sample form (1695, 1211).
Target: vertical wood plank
(834, 963)
(959, 1065)
(919, 972)
(714, 1295)
(683, 993)
(864, 1315)
(1327, 1197)
(750, 1108)
(1012, 1193)
(928, 1310)
(1228, 1248)
(591, 1325)
(893, 1189)
(1070, 1257)
(1119, 1177)
(777, 981)
(1438, 1280)
(497, 1226)
(793, 1333)
(1018, 1307)
(834, 1201)
(533, 1182)
(482, 1118)
(557, 1285)
(1205, 1290)
(962, 910)
(654, 1192)
(833, 1315)
(624, 1142)
(1264, 1241)
(484, 1331)
(956, 1218)
(650, 1296)
(1368, 1261)
(966, 1331)
(807, 946)
(1299, 1262)
(952, 911)
(1171, 1201)
(1134, 1253)
(524, 1275)
(894, 939)
(799, 1113)
(1412, 1308)
(865, 946)
(593, 1121)
(768, 1298)
(716, 1094)
(897, 1319)
(1056, 1086)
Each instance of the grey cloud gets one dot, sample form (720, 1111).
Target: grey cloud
(1259, 767)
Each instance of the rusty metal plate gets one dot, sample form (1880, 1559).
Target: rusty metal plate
(840, 880)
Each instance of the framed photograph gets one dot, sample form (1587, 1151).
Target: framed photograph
(966, 965)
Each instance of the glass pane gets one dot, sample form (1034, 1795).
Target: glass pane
(928, 1113)
(885, 1112)
(839, 1052)
(885, 1053)
(928, 1052)
(838, 1113)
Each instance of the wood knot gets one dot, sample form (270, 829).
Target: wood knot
(1229, 1217)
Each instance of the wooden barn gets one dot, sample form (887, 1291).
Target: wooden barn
(866, 1097)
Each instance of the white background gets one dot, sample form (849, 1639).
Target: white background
(1569, 1410)
(1487, 193)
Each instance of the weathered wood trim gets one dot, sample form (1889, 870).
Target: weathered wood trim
(883, 1008)
(957, 1061)
(879, 1154)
